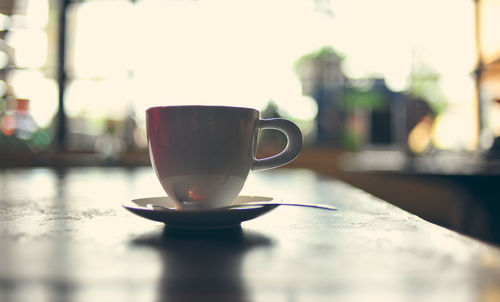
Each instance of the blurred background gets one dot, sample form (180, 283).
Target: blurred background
(398, 97)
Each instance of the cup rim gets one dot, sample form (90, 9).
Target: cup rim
(169, 107)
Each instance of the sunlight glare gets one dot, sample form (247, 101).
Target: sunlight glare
(37, 13)
(241, 53)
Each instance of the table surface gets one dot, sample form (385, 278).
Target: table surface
(65, 237)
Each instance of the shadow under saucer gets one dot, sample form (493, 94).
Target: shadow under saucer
(202, 265)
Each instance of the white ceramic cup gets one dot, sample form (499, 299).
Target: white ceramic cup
(202, 154)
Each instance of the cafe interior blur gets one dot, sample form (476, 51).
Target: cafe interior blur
(398, 98)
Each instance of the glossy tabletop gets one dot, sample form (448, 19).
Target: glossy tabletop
(65, 237)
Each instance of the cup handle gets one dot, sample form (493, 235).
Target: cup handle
(292, 149)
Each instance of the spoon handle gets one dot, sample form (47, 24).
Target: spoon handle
(258, 203)
(307, 205)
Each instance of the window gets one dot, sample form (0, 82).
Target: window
(278, 56)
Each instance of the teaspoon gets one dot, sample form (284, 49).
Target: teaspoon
(257, 203)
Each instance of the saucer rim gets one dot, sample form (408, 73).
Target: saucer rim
(197, 219)
(132, 203)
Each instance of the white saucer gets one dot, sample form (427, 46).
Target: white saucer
(203, 219)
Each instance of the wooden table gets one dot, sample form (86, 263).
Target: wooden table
(65, 237)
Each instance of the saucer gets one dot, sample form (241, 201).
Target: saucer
(203, 219)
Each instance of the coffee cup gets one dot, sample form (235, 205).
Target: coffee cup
(202, 154)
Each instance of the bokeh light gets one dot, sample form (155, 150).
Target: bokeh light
(40, 90)
(24, 42)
